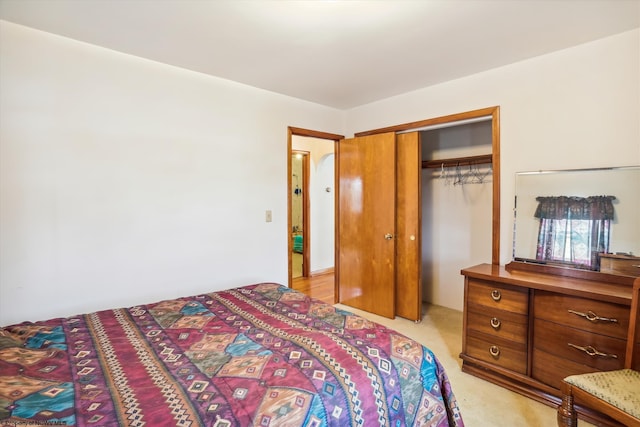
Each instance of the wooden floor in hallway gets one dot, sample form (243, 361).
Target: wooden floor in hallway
(321, 286)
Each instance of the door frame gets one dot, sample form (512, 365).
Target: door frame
(291, 131)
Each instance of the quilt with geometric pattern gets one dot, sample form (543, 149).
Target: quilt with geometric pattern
(258, 355)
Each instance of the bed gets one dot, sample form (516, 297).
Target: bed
(261, 355)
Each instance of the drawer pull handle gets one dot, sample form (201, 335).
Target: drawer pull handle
(591, 351)
(635, 265)
(496, 295)
(592, 317)
(494, 350)
(495, 322)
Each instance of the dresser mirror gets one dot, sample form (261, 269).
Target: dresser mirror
(582, 219)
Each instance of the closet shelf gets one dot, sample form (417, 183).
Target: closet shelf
(458, 161)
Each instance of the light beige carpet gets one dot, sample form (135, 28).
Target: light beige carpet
(482, 404)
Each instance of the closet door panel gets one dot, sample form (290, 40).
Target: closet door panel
(408, 226)
(365, 261)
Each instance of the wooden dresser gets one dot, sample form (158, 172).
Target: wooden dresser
(526, 330)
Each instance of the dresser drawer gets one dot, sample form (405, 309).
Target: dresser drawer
(589, 315)
(493, 295)
(498, 323)
(551, 369)
(506, 354)
(600, 352)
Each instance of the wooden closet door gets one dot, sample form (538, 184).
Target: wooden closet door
(409, 226)
(365, 246)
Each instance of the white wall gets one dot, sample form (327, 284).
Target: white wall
(323, 215)
(575, 108)
(123, 180)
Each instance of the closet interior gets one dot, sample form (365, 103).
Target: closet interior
(457, 200)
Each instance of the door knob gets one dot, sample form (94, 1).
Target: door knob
(388, 236)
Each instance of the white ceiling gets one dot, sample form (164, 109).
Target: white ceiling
(337, 53)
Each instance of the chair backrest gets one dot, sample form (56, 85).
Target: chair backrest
(632, 358)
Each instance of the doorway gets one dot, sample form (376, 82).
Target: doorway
(311, 200)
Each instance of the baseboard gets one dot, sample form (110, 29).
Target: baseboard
(329, 270)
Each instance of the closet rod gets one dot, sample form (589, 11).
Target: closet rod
(458, 161)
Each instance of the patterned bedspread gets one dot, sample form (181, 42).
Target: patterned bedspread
(261, 355)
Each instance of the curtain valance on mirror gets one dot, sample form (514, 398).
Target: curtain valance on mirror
(569, 207)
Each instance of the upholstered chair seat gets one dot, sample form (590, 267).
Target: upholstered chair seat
(619, 388)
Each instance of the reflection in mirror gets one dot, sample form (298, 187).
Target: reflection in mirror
(587, 219)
